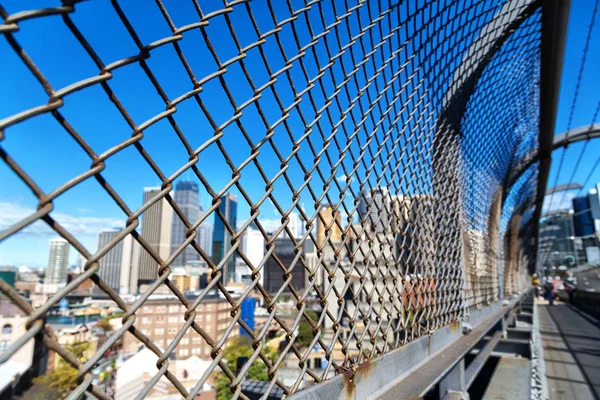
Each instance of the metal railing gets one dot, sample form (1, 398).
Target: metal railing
(390, 128)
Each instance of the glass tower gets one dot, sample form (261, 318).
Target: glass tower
(222, 237)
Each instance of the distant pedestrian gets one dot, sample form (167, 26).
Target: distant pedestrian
(570, 289)
(549, 292)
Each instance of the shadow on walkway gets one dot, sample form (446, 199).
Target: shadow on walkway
(571, 352)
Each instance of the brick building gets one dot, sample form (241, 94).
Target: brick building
(162, 317)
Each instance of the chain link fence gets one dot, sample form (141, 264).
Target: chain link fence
(379, 136)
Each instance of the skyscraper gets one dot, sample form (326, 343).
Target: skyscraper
(294, 225)
(413, 228)
(374, 207)
(325, 220)
(586, 213)
(285, 251)
(188, 199)
(119, 267)
(222, 238)
(206, 235)
(254, 247)
(157, 223)
(58, 266)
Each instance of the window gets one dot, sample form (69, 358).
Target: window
(7, 329)
(207, 351)
(145, 321)
(173, 319)
(4, 345)
(172, 331)
(185, 341)
(207, 317)
(146, 331)
(209, 307)
(196, 350)
(196, 340)
(173, 309)
(183, 352)
(159, 331)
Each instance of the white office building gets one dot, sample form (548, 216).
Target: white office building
(58, 266)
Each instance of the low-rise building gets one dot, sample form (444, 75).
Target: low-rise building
(17, 372)
(71, 336)
(134, 374)
(161, 318)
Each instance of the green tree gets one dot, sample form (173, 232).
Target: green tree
(58, 383)
(241, 347)
(305, 330)
(105, 325)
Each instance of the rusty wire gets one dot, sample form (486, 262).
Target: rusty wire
(361, 90)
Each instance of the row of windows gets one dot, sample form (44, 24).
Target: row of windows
(172, 332)
(173, 319)
(180, 308)
(160, 343)
(195, 351)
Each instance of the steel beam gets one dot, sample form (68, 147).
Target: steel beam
(562, 140)
(479, 361)
(413, 369)
(555, 19)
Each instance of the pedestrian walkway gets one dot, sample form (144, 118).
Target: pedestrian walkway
(571, 342)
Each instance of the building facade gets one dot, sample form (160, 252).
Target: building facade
(586, 214)
(274, 275)
(119, 267)
(156, 230)
(254, 248)
(374, 208)
(161, 318)
(557, 238)
(187, 197)
(58, 266)
(331, 220)
(222, 238)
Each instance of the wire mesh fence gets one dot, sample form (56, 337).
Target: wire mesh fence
(354, 160)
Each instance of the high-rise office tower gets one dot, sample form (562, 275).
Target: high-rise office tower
(285, 252)
(374, 207)
(586, 216)
(188, 199)
(294, 225)
(222, 237)
(326, 220)
(206, 236)
(413, 227)
(119, 267)
(254, 247)
(157, 223)
(58, 266)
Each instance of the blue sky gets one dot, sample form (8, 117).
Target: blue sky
(51, 157)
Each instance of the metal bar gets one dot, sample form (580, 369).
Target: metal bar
(555, 19)
(479, 361)
(453, 385)
(413, 369)
(564, 139)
